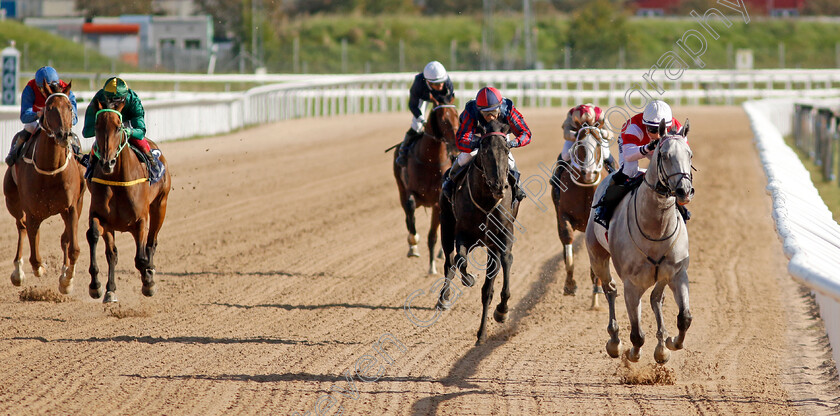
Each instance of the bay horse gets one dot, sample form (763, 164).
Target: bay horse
(420, 180)
(572, 191)
(482, 213)
(121, 199)
(49, 181)
(650, 249)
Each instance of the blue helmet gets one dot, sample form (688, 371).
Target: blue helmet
(46, 74)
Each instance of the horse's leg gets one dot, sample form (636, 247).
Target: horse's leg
(462, 251)
(660, 354)
(141, 258)
(633, 301)
(17, 274)
(564, 229)
(34, 233)
(10, 189)
(596, 289)
(679, 285)
(157, 211)
(93, 233)
(500, 315)
(70, 248)
(447, 242)
(486, 297)
(409, 206)
(432, 240)
(111, 257)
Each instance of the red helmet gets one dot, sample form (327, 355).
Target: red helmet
(584, 113)
(488, 99)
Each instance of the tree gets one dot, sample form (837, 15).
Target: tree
(822, 8)
(596, 34)
(94, 8)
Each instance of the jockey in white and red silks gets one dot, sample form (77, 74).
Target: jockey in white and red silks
(639, 137)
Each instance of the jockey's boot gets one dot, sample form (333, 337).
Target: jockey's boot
(610, 163)
(91, 165)
(76, 145)
(155, 167)
(17, 143)
(410, 136)
(686, 214)
(513, 179)
(449, 179)
(612, 196)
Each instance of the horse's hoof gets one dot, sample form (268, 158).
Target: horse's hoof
(634, 354)
(570, 290)
(433, 269)
(95, 292)
(661, 354)
(39, 271)
(468, 280)
(17, 277)
(413, 252)
(613, 348)
(65, 281)
(110, 297)
(500, 317)
(148, 290)
(480, 340)
(673, 346)
(442, 306)
(595, 306)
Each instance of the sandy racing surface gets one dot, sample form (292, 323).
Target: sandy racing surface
(282, 263)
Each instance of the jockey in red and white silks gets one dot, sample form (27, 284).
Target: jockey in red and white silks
(638, 132)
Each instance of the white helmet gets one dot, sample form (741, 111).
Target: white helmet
(434, 72)
(657, 111)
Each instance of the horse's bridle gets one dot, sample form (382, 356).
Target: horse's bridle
(574, 161)
(49, 131)
(438, 107)
(123, 130)
(475, 165)
(661, 186)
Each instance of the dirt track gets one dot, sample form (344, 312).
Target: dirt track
(282, 261)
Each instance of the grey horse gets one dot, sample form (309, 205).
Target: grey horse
(648, 242)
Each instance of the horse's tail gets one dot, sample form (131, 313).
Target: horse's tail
(392, 147)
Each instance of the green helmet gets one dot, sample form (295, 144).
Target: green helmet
(115, 89)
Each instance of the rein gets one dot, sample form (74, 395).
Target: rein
(466, 176)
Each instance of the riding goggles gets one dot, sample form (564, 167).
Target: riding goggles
(653, 129)
(492, 111)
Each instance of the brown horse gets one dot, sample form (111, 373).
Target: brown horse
(573, 187)
(123, 200)
(49, 182)
(482, 213)
(419, 182)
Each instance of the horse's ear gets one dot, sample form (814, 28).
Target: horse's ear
(48, 89)
(662, 128)
(684, 131)
(96, 104)
(67, 88)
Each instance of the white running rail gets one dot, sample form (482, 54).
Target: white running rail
(809, 234)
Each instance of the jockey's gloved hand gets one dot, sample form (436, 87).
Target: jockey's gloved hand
(652, 145)
(510, 144)
(417, 123)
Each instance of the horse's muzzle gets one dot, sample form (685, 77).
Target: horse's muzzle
(108, 166)
(684, 195)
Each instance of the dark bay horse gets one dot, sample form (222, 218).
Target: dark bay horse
(47, 182)
(123, 200)
(482, 213)
(420, 180)
(648, 243)
(572, 190)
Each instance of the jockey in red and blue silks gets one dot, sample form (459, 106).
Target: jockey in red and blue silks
(639, 137)
(488, 105)
(32, 101)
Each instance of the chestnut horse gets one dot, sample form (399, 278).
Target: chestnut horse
(573, 187)
(121, 199)
(420, 180)
(48, 181)
(478, 215)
